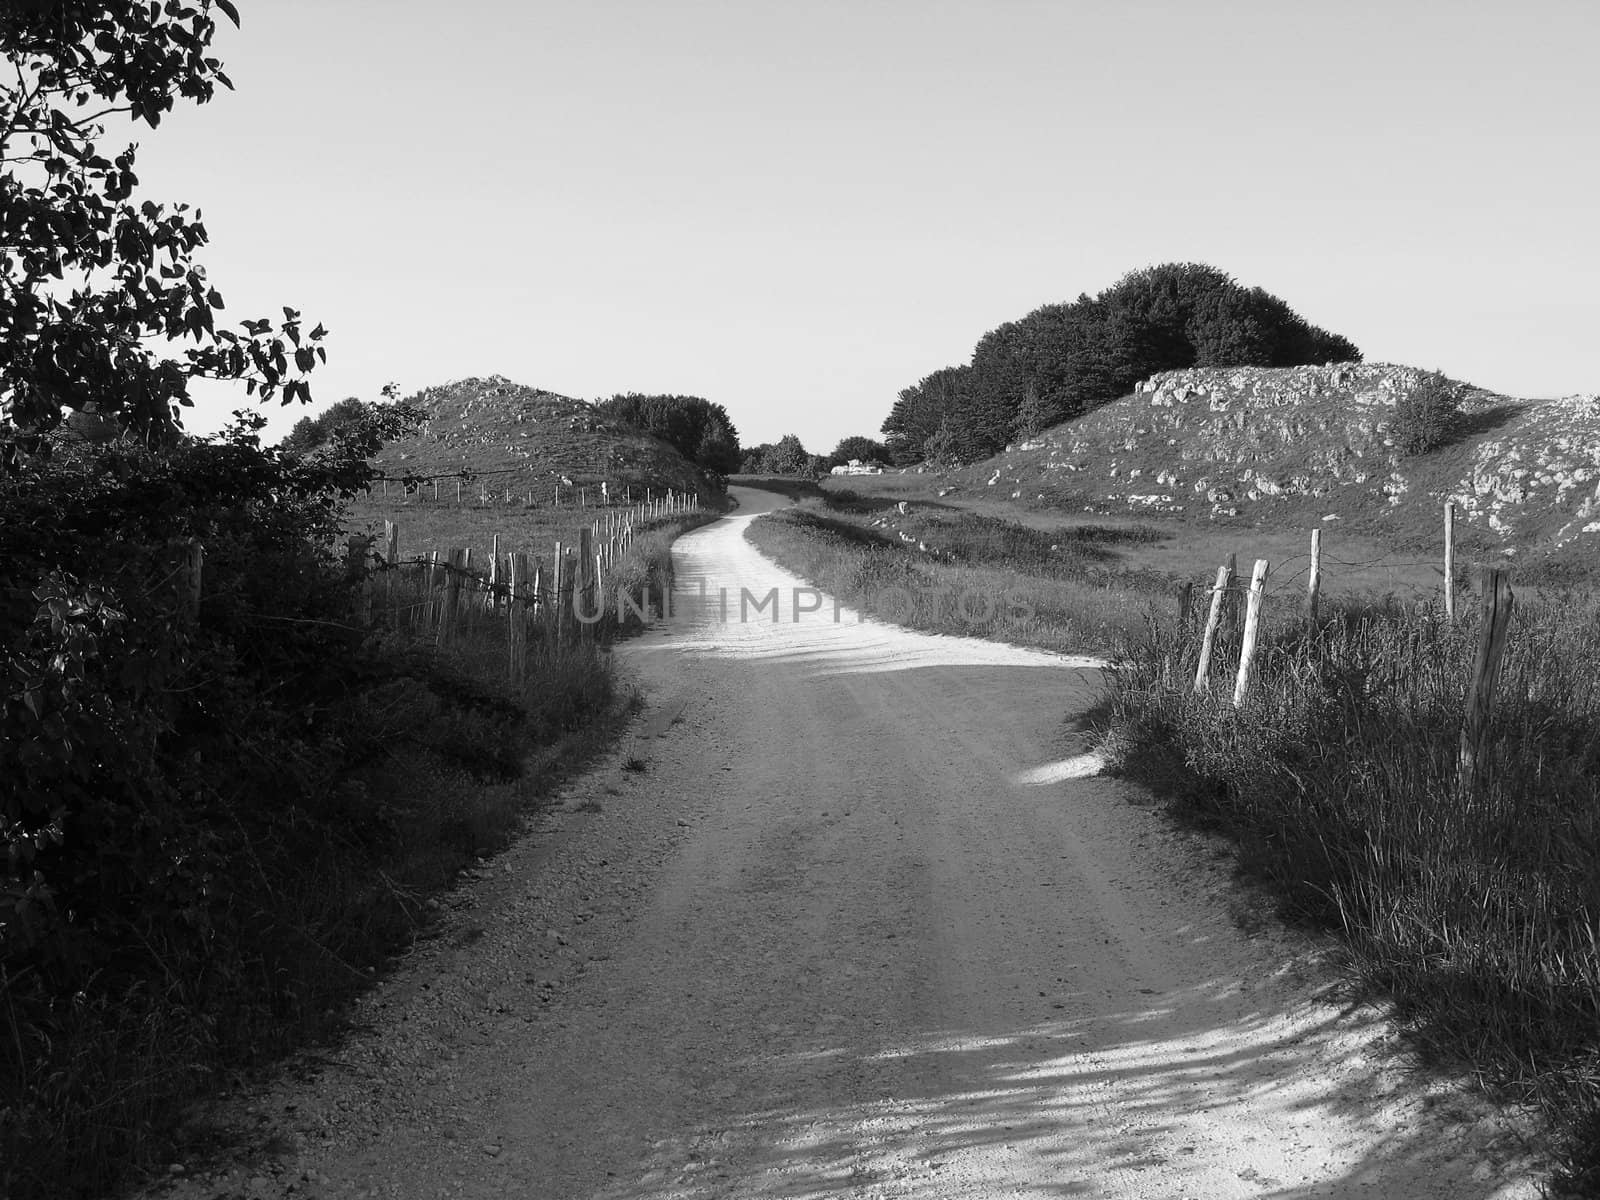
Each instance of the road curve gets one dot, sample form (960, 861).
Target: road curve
(846, 918)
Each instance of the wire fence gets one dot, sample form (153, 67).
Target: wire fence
(460, 594)
(474, 488)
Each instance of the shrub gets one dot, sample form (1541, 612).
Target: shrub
(1426, 416)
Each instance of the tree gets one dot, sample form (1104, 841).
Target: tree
(1065, 359)
(942, 447)
(786, 456)
(698, 429)
(1033, 415)
(857, 448)
(97, 292)
(310, 432)
(921, 410)
(789, 457)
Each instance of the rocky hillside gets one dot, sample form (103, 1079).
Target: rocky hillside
(507, 435)
(1257, 443)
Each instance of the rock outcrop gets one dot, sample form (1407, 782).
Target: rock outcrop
(1232, 441)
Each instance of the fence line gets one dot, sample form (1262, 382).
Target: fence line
(441, 597)
(455, 490)
(1224, 617)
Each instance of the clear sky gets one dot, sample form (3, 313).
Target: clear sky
(797, 208)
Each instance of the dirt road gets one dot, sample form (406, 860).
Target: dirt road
(843, 918)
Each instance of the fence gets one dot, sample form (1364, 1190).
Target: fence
(477, 490)
(1225, 612)
(445, 597)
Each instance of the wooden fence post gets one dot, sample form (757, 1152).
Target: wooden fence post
(557, 578)
(1450, 561)
(1233, 611)
(569, 589)
(1202, 682)
(585, 582)
(1252, 626)
(1314, 583)
(194, 565)
(431, 612)
(516, 623)
(452, 594)
(1494, 623)
(494, 572)
(1185, 604)
(391, 559)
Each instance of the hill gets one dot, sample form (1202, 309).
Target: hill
(503, 435)
(1266, 446)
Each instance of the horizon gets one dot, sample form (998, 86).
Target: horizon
(797, 213)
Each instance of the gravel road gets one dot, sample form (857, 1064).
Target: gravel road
(847, 915)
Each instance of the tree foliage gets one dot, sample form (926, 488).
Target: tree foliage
(350, 420)
(858, 449)
(698, 429)
(99, 294)
(1062, 360)
(786, 456)
(164, 766)
(921, 410)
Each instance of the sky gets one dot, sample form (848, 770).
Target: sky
(797, 209)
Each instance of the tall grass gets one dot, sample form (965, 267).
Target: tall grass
(1476, 909)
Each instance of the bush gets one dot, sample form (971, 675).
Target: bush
(1426, 417)
(215, 819)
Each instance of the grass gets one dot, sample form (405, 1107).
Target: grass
(1355, 563)
(979, 577)
(1474, 909)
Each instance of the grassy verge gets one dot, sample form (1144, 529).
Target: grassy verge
(317, 870)
(1474, 910)
(1477, 912)
(961, 573)
(792, 486)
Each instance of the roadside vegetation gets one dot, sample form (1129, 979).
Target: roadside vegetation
(229, 781)
(961, 573)
(1474, 907)
(231, 792)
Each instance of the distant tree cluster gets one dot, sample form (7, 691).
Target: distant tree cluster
(347, 416)
(786, 456)
(1062, 360)
(697, 428)
(857, 449)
